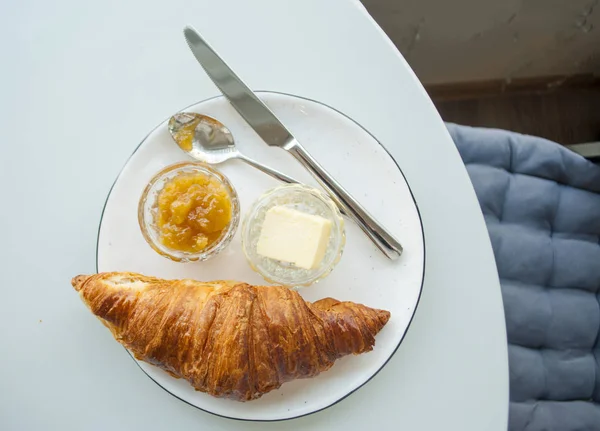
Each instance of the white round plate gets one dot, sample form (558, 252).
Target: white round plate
(364, 275)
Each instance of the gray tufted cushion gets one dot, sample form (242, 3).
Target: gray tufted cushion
(541, 204)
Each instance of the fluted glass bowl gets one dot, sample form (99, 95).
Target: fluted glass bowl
(302, 198)
(147, 210)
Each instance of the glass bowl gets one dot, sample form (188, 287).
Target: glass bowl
(147, 211)
(307, 200)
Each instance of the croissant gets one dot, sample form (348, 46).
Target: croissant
(228, 339)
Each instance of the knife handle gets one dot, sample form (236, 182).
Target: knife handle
(384, 241)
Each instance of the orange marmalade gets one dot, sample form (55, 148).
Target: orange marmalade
(193, 209)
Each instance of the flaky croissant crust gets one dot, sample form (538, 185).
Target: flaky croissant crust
(228, 339)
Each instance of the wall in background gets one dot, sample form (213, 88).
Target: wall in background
(453, 41)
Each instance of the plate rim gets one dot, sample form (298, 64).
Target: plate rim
(414, 311)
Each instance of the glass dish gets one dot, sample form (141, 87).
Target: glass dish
(307, 200)
(147, 212)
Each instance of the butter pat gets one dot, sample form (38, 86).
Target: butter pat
(293, 236)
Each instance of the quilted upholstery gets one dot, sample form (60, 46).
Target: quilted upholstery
(541, 204)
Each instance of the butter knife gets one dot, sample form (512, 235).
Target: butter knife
(275, 134)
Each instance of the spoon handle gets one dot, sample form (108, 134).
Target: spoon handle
(267, 170)
(278, 175)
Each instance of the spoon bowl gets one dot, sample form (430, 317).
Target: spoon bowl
(202, 137)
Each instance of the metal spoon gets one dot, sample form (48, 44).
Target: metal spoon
(208, 140)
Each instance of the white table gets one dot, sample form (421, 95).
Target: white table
(80, 85)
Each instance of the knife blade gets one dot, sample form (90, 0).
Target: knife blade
(274, 133)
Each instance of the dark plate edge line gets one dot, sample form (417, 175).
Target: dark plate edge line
(422, 277)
